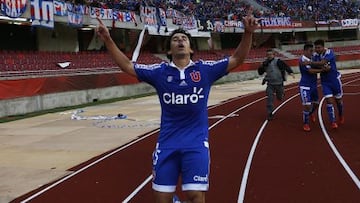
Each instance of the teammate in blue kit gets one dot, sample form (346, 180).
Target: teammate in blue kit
(330, 81)
(308, 86)
(183, 88)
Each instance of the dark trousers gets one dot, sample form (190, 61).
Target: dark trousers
(270, 90)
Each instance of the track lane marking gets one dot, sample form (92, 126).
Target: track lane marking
(347, 168)
(253, 148)
(213, 125)
(134, 142)
(244, 179)
(87, 166)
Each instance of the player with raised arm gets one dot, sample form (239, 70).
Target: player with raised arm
(183, 88)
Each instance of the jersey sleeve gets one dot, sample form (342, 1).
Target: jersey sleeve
(216, 69)
(304, 59)
(329, 55)
(147, 73)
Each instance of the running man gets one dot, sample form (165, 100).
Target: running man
(330, 81)
(183, 88)
(275, 76)
(308, 86)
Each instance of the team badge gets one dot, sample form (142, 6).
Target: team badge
(169, 78)
(195, 76)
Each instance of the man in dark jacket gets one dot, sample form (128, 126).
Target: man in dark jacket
(275, 76)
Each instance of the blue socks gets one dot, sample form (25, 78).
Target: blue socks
(331, 113)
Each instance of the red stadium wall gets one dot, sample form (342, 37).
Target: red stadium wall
(10, 89)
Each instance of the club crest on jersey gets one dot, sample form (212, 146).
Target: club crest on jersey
(169, 78)
(195, 76)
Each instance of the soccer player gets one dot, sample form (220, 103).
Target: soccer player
(330, 81)
(308, 86)
(183, 88)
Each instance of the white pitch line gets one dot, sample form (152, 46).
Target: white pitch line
(141, 186)
(86, 167)
(213, 125)
(347, 168)
(245, 176)
(244, 96)
(216, 123)
(114, 152)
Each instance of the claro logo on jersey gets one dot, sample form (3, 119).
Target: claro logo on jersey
(173, 98)
(201, 179)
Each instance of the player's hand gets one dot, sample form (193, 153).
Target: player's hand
(250, 22)
(325, 68)
(102, 31)
(305, 63)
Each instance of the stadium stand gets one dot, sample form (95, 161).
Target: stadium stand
(312, 10)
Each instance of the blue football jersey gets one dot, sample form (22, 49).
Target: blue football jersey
(307, 79)
(183, 95)
(329, 56)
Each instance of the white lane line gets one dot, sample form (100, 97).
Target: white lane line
(245, 176)
(333, 147)
(87, 166)
(141, 186)
(213, 125)
(246, 95)
(129, 144)
(252, 151)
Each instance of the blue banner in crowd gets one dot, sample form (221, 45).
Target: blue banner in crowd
(75, 19)
(42, 13)
(12, 8)
(60, 8)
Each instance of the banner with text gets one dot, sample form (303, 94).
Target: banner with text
(12, 8)
(42, 13)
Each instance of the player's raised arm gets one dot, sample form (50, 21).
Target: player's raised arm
(241, 52)
(119, 57)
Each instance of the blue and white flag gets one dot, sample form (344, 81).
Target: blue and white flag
(12, 8)
(42, 13)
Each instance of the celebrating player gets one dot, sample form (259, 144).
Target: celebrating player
(308, 86)
(330, 81)
(183, 88)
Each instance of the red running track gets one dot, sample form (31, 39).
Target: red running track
(252, 160)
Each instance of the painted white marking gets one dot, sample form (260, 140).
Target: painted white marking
(86, 167)
(213, 125)
(245, 176)
(333, 147)
(138, 189)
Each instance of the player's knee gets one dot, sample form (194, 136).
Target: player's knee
(163, 197)
(195, 197)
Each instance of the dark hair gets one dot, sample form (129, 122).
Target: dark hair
(168, 43)
(269, 50)
(319, 42)
(308, 46)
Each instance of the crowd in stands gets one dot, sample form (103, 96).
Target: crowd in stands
(318, 10)
(314, 10)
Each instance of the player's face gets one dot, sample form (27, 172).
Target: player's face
(309, 52)
(319, 49)
(180, 45)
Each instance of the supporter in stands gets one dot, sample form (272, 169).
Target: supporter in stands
(275, 76)
(308, 86)
(183, 87)
(313, 10)
(330, 81)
